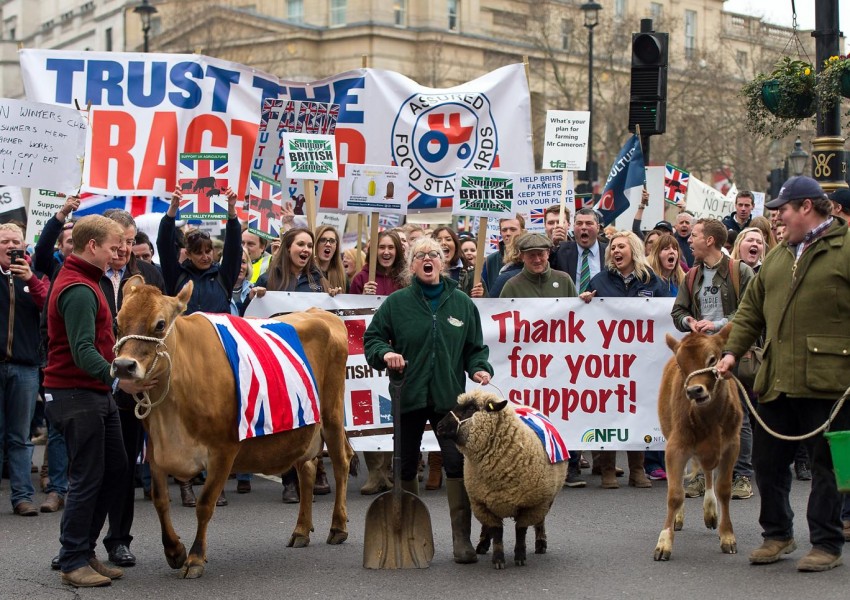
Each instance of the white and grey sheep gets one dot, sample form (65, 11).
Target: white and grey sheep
(506, 471)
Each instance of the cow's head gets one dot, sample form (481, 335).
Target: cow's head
(477, 404)
(697, 351)
(145, 317)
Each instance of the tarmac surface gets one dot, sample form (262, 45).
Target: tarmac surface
(600, 546)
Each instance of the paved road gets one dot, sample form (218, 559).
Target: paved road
(600, 546)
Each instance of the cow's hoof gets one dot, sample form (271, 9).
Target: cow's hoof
(519, 561)
(336, 536)
(498, 560)
(483, 547)
(711, 521)
(192, 571)
(540, 547)
(729, 547)
(678, 525)
(298, 541)
(661, 554)
(176, 559)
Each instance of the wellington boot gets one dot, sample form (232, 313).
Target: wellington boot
(377, 481)
(607, 468)
(411, 486)
(461, 516)
(187, 494)
(435, 471)
(637, 474)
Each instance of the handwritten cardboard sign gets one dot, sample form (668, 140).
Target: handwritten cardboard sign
(41, 145)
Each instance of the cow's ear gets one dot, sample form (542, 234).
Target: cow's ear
(132, 284)
(723, 334)
(495, 406)
(672, 343)
(184, 294)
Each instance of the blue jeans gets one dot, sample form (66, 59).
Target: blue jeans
(744, 465)
(57, 461)
(18, 391)
(97, 463)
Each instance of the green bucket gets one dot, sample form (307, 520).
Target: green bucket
(839, 445)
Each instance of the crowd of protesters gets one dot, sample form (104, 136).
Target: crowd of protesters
(78, 269)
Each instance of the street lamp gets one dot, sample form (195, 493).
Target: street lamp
(798, 159)
(591, 19)
(145, 11)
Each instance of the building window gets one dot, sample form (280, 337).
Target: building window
(295, 10)
(338, 12)
(690, 33)
(400, 11)
(656, 11)
(741, 59)
(619, 9)
(107, 42)
(566, 34)
(454, 15)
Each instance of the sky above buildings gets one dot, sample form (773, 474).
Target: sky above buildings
(779, 12)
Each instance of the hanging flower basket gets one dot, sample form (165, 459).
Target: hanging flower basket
(844, 89)
(787, 104)
(833, 82)
(778, 101)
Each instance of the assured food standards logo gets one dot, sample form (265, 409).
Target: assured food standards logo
(436, 134)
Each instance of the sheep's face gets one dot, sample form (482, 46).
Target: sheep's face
(455, 425)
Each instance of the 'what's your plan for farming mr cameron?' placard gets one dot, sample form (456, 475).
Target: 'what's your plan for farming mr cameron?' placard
(565, 147)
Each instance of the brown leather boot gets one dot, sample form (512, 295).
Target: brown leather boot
(53, 503)
(637, 475)
(435, 471)
(607, 467)
(85, 576)
(187, 494)
(321, 485)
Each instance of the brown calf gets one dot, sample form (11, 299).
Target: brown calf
(700, 417)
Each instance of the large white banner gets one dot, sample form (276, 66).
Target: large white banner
(706, 202)
(148, 108)
(593, 369)
(41, 145)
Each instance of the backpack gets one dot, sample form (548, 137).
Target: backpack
(734, 272)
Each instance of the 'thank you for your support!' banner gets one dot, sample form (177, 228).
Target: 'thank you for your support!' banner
(593, 369)
(149, 108)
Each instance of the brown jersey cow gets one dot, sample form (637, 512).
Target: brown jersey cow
(701, 417)
(194, 426)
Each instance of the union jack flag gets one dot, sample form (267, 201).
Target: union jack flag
(555, 447)
(264, 207)
(537, 216)
(494, 242)
(275, 385)
(97, 204)
(203, 179)
(675, 183)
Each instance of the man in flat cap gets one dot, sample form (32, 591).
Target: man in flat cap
(801, 297)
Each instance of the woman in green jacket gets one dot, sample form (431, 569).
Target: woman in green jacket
(428, 335)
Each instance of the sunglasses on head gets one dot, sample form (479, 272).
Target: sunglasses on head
(197, 234)
(67, 226)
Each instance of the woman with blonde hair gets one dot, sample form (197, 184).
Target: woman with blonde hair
(626, 275)
(349, 262)
(665, 261)
(763, 223)
(750, 247)
(328, 257)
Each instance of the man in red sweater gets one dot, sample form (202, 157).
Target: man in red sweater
(78, 391)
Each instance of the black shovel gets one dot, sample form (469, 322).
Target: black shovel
(398, 526)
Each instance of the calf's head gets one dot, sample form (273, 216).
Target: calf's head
(144, 320)
(695, 352)
(470, 406)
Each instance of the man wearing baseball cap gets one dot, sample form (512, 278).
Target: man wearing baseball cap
(801, 297)
(841, 203)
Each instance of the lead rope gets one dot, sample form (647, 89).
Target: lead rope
(788, 438)
(143, 399)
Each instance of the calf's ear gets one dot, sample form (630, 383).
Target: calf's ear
(672, 343)
(495, 405)
(132, 284)
(183, 296)
(723, 334)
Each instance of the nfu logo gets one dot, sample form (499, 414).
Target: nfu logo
(436, 134)
(605, 435)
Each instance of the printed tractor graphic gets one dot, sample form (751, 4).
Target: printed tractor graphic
(434, 145)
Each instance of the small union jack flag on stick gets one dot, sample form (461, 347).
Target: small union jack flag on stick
(264, 207)
(203, 180)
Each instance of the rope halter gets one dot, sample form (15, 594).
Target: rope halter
(717, 378)
(143, 399)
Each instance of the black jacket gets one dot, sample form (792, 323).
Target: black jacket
(566, 258)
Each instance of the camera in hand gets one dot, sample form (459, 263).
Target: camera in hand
(15, 254)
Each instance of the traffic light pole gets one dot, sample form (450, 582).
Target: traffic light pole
(829, 163)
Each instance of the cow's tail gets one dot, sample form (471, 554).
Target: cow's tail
(354, 465)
